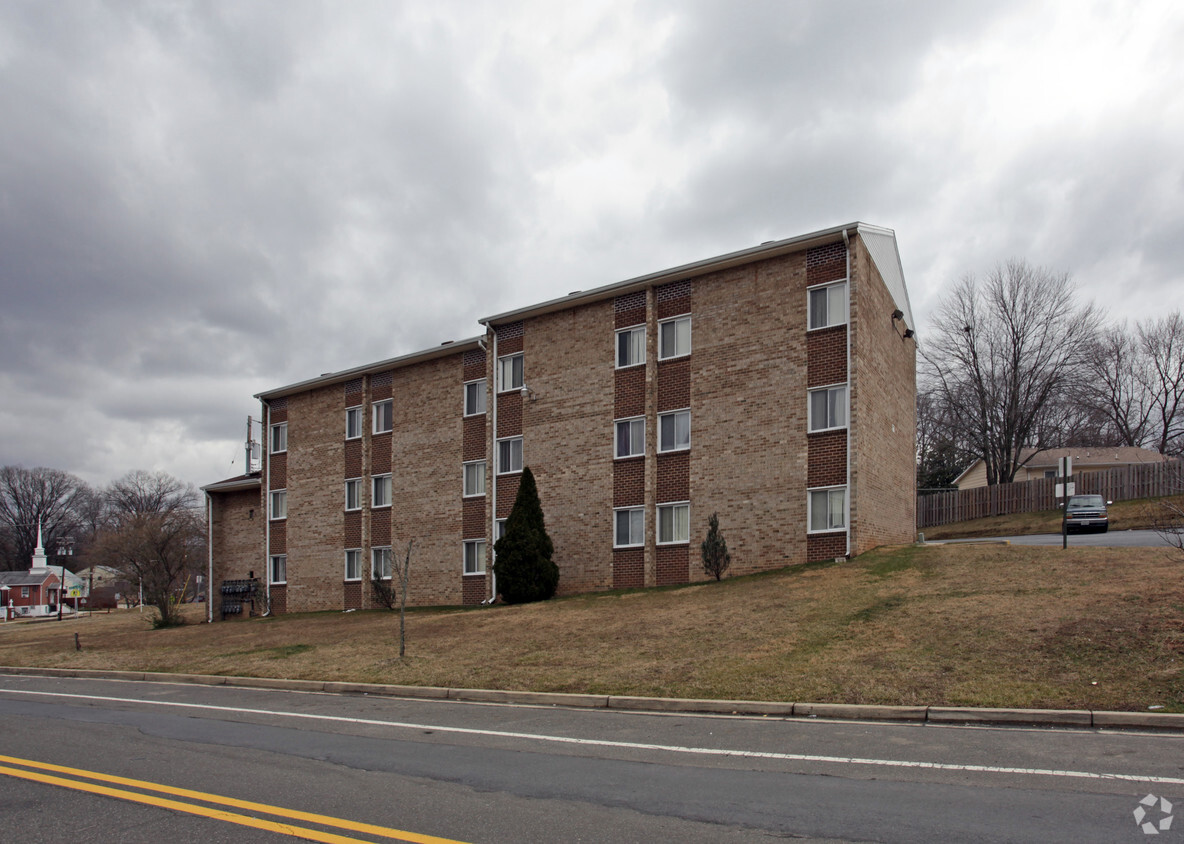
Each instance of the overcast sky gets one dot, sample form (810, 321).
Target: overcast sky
(200, 201)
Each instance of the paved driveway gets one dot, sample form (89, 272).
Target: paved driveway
(1112, 539)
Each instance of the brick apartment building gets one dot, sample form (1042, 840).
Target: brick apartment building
(774, 386)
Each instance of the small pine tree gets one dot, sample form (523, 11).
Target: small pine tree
(716, 558)
(523, 566)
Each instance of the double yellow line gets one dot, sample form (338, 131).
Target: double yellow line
(24, 772)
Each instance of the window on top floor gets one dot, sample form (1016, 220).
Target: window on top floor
(353, 422)
(474, 398)
(828, 305)
(510, 373)
(279, 438)
(384, 416)
(674, 338)
(630, 346)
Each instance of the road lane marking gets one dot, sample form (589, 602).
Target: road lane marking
(205, 811)
(627, 745)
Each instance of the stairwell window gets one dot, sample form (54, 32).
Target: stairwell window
(353, 494)
(474, 559)
(827, 509)
(629, 527)
(278, 569)
(353, 564)
(279, 504)
(474, 398)
(510, 373)
(674, 431)
(380, 491)
(353, 423)
(630, 438)
(474, 484)
(509, 455)
(279, 438)
(828, 305)
(674, 338)
(674, 523)
(828, 408)
(630, 346)
(380, 563)
(384, 416)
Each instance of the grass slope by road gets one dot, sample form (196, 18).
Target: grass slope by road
(1138, 514)
(985, 625)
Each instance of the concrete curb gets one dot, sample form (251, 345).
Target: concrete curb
(627, 703)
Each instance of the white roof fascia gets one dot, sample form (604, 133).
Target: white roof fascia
(771, 249)
(444, 349)
(881, 245)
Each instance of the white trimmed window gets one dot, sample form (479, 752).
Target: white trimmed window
(474, 556)
(353, 564)
(509, 373)
(279, 504)
(277, 570)
(353, 494)
(630, 438)
(353, 422)
(380, 563)
(279, 438)
(827, 509)
(474, 398)
(474, 478)
(674, 338)
(509, 455)
(674, 523)
(828, 305)
(630, 346)
(384, 416)
(674, 430)
(828, 408)
(499, 529)
(629, 527)
(380, 491)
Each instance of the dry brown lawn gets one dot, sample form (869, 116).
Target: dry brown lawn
(980, 625)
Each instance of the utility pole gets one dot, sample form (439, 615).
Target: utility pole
(65, 549)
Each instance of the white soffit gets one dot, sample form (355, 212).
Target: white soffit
(881, 245)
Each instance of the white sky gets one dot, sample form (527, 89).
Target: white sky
(200, 201)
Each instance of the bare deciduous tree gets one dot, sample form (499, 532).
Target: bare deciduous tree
(52, 497)
(1005, 352)
(1163, 344)
(154, 535)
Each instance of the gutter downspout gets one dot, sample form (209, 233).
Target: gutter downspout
(850, 384)
(209, 560)
(266, 503)
(493, 479)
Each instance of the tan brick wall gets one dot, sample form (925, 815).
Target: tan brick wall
(568, 437)
(883, 421)
(237, 520)
(316, 501)
(748, 413)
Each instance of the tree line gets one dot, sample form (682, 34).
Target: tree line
(147, 525)
(1015, 360)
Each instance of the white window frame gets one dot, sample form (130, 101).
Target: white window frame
(478, 391)
(499, 528)
(676, 446)
(277, 443)
(467, 490)
(376, 554)
(377, 483)
(478, 557)
(846, 408)
(502, 470)
(271, 568)
(277, 508)
(631, 331)
(353, 421)
(506, 363)
(831, 319)
(829, 492)
(356, 485)
(390, 403)
(639, 445)
(672, 506)
(25, 591)
(357, 554)
(631, 513)
(674, 321)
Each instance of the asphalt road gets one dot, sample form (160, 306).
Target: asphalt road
(502, 773)
(1111, 539)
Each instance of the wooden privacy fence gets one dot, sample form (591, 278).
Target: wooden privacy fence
(1143, 480)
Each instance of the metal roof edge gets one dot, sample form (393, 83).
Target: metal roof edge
(329, 378)
(770, 249)
(234, 484)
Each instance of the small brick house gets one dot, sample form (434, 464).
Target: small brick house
(774, 386)
(29, 589)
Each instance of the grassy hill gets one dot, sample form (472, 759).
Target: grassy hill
(1124, 515)
(959, 625)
